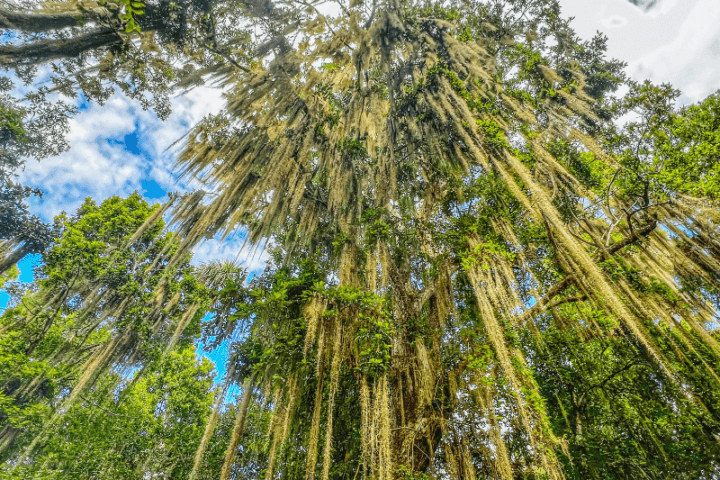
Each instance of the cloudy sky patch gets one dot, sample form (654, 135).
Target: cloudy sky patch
(116, 149)
(670, 42)
(691, 59)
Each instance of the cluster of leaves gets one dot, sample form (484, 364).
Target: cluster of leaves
(479, 254)
(373, 324)
(404, 473)
(132, 10)
(19, 367)
(666, 151)
(273, 308)
(616, 268)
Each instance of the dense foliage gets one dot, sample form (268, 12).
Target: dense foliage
(143, 47)
(148, 426)
(492, 277)
(90, 311)
(476, 272)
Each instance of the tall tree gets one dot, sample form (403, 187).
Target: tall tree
(455, 212)
(476, 273)
(147, 427)
(103, 302)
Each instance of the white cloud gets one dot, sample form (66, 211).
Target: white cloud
(664, 7)
(673, 42)
(232, 248)
(99, 163)
(653, 8)
(692, 59)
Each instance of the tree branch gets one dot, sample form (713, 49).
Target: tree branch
(103, 408)
(37, 23)
(52, 49)
(539, 307)
(574, 298)
(228, 58)
(545, 302)
(610, 377)
(637, 235)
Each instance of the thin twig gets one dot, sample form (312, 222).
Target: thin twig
(103, 408)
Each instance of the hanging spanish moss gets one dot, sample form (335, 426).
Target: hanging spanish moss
(471, 272)
(394, 150)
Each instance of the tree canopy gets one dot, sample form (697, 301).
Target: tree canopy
(476, 272)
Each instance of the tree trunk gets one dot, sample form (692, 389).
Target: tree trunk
(48, 50)
(7, 437)
(37, 23)
(13, 258)
(417, 438)
(237, 429)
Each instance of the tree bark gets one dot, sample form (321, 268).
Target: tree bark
(37, 23)
(52, 49)
(237, 429)
(13, 258)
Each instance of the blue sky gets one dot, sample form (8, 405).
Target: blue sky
(26, 266)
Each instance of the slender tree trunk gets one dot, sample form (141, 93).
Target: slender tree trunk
(51, 319)
(12, 258)
(237, 429)
(7, 436)
(57, 48)
(37, 23)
